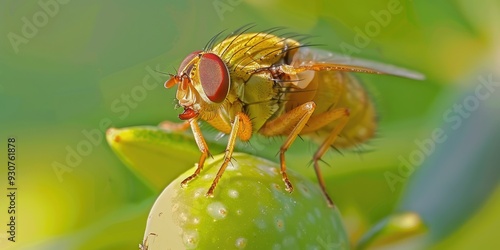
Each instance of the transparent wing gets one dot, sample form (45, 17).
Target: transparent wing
(316, 59)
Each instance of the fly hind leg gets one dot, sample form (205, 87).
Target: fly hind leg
(340, 114)
(290, 124)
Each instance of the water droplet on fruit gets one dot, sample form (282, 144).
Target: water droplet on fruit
(280, 224)
(183, 217)
(268, 170)
(233, 193)
(190, 239)
(196, 220)
(217, 210)
(241, 243)
(208, 176)
(199, 192)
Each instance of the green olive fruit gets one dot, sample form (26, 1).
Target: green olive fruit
(249, 209)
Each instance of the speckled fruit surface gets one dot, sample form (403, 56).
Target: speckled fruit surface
(250, 209)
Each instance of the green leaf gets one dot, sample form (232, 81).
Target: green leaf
(156, 156)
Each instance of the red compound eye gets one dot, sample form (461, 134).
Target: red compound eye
(214, 77)
(175, 79)
(188, 59)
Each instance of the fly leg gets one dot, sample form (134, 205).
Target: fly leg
(202, 145)
(291, 124)
(241, 128)
(340, 114)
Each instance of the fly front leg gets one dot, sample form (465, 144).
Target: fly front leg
(241, 128)
(202, 145)
(341, 114)
(291, 124)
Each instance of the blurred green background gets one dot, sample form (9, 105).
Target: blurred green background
(71, 69)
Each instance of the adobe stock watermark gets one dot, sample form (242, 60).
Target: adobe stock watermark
(224, 6)
(362, 39)
(364, 35)
(31, 26)
(121, 106)
(453, 116)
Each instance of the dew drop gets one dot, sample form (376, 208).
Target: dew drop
(233, 193)
(241, 243)
(183, 217)
(268, 170)
(280, 224)
(217, 210)
(198, 193)
(190, 239)
(196, 220)
(208, 176)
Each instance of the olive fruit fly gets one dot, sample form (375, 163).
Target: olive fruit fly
(272, 85)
